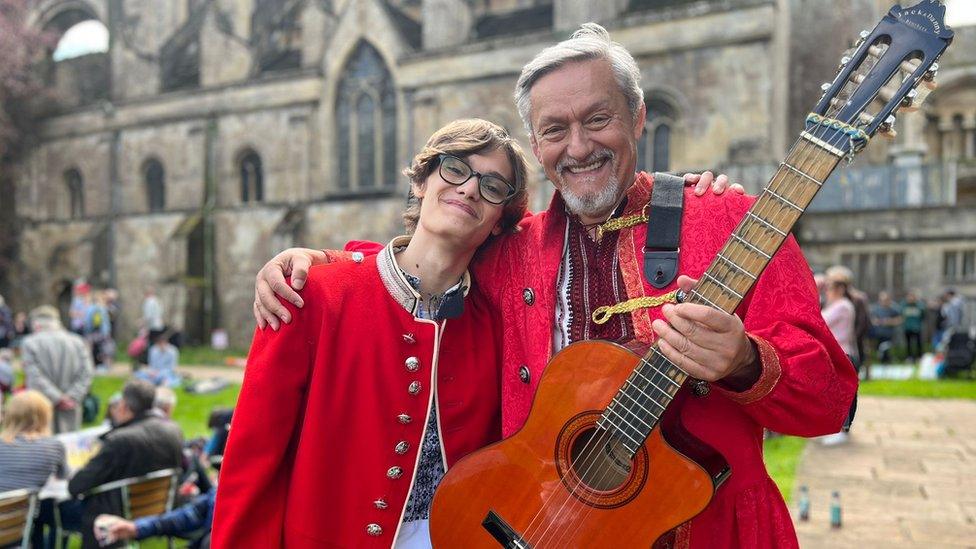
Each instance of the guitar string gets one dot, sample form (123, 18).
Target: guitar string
(717, 293)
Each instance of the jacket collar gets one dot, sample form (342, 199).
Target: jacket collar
(396, 281)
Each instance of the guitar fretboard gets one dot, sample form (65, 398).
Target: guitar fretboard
(641, 402)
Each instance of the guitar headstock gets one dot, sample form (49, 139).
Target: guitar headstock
(891, 68)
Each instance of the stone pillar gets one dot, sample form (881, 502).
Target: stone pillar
(446, 23)
(570, 14)
(908, 153)
(969, 136)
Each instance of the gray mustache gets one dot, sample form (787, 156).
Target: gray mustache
(593, 157)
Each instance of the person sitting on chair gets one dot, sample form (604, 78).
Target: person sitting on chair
(140, 442)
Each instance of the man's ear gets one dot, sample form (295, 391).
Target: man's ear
(639, 120)
(535, 148)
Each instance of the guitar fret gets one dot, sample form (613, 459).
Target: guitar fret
(642, 393)
(618, 403)
(705, 299)
(736, 266)
(726, 288)
(628, 382)
(653, 367)
(750, 246)
(621, 430)
(784, 200)
(768, 224)
(801, 173)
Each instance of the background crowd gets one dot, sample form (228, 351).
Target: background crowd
(45, 409)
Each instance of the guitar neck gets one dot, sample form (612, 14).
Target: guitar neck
(641, 402)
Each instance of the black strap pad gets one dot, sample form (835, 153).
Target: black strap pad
(661, 249)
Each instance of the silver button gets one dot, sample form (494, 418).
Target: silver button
(374, 529)
(402, 447)
(404, 419)
(358, 257)
(412, 363)
(380, 503)
(394, 472)
(524, 374)
(409, 338)
(528, 296)
(414, 387)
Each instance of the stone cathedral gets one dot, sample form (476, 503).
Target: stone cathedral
(214, 133)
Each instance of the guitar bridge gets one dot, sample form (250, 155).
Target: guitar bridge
(503, 533)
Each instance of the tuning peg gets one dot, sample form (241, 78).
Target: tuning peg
(844, 61)
(931, 73)
(908, 103)
(864, 34)
(825, 86)
(887, 128)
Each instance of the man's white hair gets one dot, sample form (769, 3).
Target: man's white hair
(591, 41)
(165, 399)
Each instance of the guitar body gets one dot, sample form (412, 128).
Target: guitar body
(606, 499)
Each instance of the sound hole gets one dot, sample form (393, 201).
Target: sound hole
(599, 460)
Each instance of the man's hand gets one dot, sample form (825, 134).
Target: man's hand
(718, 184)
(119, 529)
(707, 343)
(270, 281)
(66, 403)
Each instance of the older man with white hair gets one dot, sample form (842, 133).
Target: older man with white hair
(57, 363)
(577, 271)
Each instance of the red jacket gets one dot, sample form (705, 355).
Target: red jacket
(326, 415)
(805, 389)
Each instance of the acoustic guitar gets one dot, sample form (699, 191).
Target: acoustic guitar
(602, 460)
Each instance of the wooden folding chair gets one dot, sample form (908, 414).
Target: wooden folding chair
(17, 510)
(147, 495)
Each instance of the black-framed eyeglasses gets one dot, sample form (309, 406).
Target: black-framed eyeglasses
(493, 188)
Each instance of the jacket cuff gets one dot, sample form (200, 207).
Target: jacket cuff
(768, 378)
(338, 256)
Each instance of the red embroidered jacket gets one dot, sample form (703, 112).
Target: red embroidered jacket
(324, 442)
(805, 389)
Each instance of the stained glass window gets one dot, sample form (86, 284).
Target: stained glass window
(366, 123)
(654, 152)
(155, 177)
(76, 192)
(252, 178)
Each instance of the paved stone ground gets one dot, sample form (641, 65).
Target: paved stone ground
(907, 478)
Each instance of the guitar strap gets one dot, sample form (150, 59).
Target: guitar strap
(661, 249)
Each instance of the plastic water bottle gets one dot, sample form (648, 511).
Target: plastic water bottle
(835, 520)
(804, 504)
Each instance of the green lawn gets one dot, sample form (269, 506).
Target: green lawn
(782, 455)
(191, 412)
(923, 388)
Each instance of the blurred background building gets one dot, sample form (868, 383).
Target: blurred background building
(204, 136)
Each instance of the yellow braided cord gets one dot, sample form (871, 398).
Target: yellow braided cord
(603, 314)
(852, 131)
(618, 223)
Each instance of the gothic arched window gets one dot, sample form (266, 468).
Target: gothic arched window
(252, 177)
(155, 178)
(76, 193)
(366, 123)
(654, 148)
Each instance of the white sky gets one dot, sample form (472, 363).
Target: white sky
(960, 12)
(85, 37)
(92, 36)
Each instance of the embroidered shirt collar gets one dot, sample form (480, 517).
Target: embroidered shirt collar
(403, 287)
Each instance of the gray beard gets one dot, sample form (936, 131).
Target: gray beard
(596, 204)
